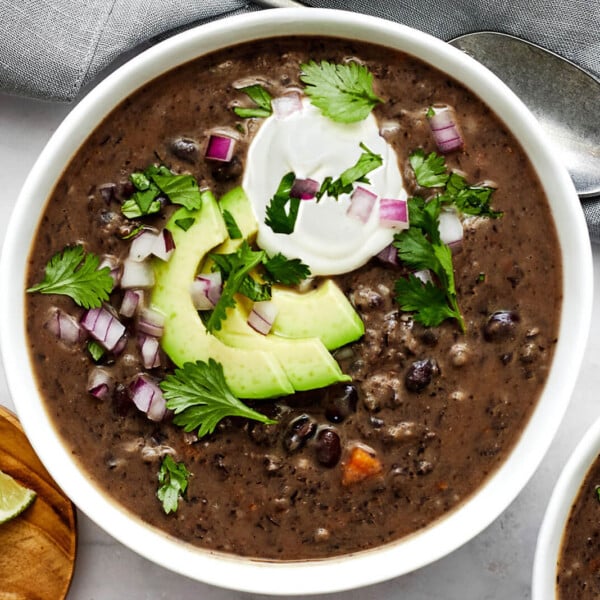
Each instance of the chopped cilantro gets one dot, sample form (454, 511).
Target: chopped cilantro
(173, 481)
(240, 264)
(283, 270)
(154, 181)
(185, 223)
(96, 350)
(471, 200)
(277, 218)
(74, 273)
(260, 97)
(133, 232)
(232, 227)
(200, 398)
(342, 92)
(430, 170)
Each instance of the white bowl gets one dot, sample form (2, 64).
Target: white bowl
(563, 496)
(345, 572)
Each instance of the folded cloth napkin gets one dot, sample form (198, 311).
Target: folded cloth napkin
(50, 49)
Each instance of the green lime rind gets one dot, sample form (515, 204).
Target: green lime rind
(14, 498)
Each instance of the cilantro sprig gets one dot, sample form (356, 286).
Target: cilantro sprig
(276, 269)
(173, 481)
(74, 273)
(259, 95)
(239, 265)
(342, 92)
(156, 181)
(420, 247)
(368, 161)
(280, 217)
(200, 398)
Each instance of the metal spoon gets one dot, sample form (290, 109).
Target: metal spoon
(563, 97)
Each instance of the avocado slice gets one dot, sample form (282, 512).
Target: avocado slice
(249, 373)
(307, 362)
(324, 312)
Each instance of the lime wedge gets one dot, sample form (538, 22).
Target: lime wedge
(14, 498)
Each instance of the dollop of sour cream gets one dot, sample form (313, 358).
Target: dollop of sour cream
(305, 142)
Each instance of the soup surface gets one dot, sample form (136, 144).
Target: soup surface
(578, 573)
(432, 410)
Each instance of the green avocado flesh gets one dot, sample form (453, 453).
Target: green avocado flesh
(291, 359)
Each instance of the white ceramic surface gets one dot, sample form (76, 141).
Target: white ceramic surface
(567, 488)
(335, 574)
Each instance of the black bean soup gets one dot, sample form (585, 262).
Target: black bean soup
(434, 410)
(578, 571)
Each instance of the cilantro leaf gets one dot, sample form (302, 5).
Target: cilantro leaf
(240, 264)
(74, 273)
(471, 200)
(173, 481)
(420, 253)
(428, 302)
(249, 287)
(368, 161)
(154, 181)
(276, 217)
(259, 95)
(185, 223)
(283, 270)
(343, 93)
(96, 350)
(426, 216)
(430, 170)
(200, 397)
(232, 227)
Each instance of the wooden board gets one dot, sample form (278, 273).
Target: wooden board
(37, 548)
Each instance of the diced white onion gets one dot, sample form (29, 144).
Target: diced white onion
(142, 245)
(137, 274)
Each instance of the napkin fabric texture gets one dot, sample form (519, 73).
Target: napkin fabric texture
(51, 49)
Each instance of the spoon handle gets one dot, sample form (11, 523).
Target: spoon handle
(280, 3)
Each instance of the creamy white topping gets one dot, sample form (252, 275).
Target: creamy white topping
(312, 146)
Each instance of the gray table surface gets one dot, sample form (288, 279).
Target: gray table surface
(494, 565)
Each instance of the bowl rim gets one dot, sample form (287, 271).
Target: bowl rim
(349, 571)
(558, 509)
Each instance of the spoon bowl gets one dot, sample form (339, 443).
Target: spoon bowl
(563, 98)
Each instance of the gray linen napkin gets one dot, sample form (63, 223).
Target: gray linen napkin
(50, 49)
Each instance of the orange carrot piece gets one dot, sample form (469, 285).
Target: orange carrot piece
(361, 465)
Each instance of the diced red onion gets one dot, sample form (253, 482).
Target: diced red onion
(445, 131)
(220, 148)
(451, 229)
(262, 316)
(151, 322)
(305, 189)
(103, 326)
(393, 213)
(137, 274)
(206, 290)
(424, 275)
(150, 350)
(362, 202)
(148, 397)
(132, 299)
(120, 345)
(284, 106)
(142, 245)
(113, 263)
(164, 245)
(389, 255)
(65, 327)
(100, 383)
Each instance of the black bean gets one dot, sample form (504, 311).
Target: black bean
(121, 399)
(341, 402)
(185, 149)
(419, 375)
(227, 171)
(328, 447)
(298, 432)
(108, 191)
(500, 325)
